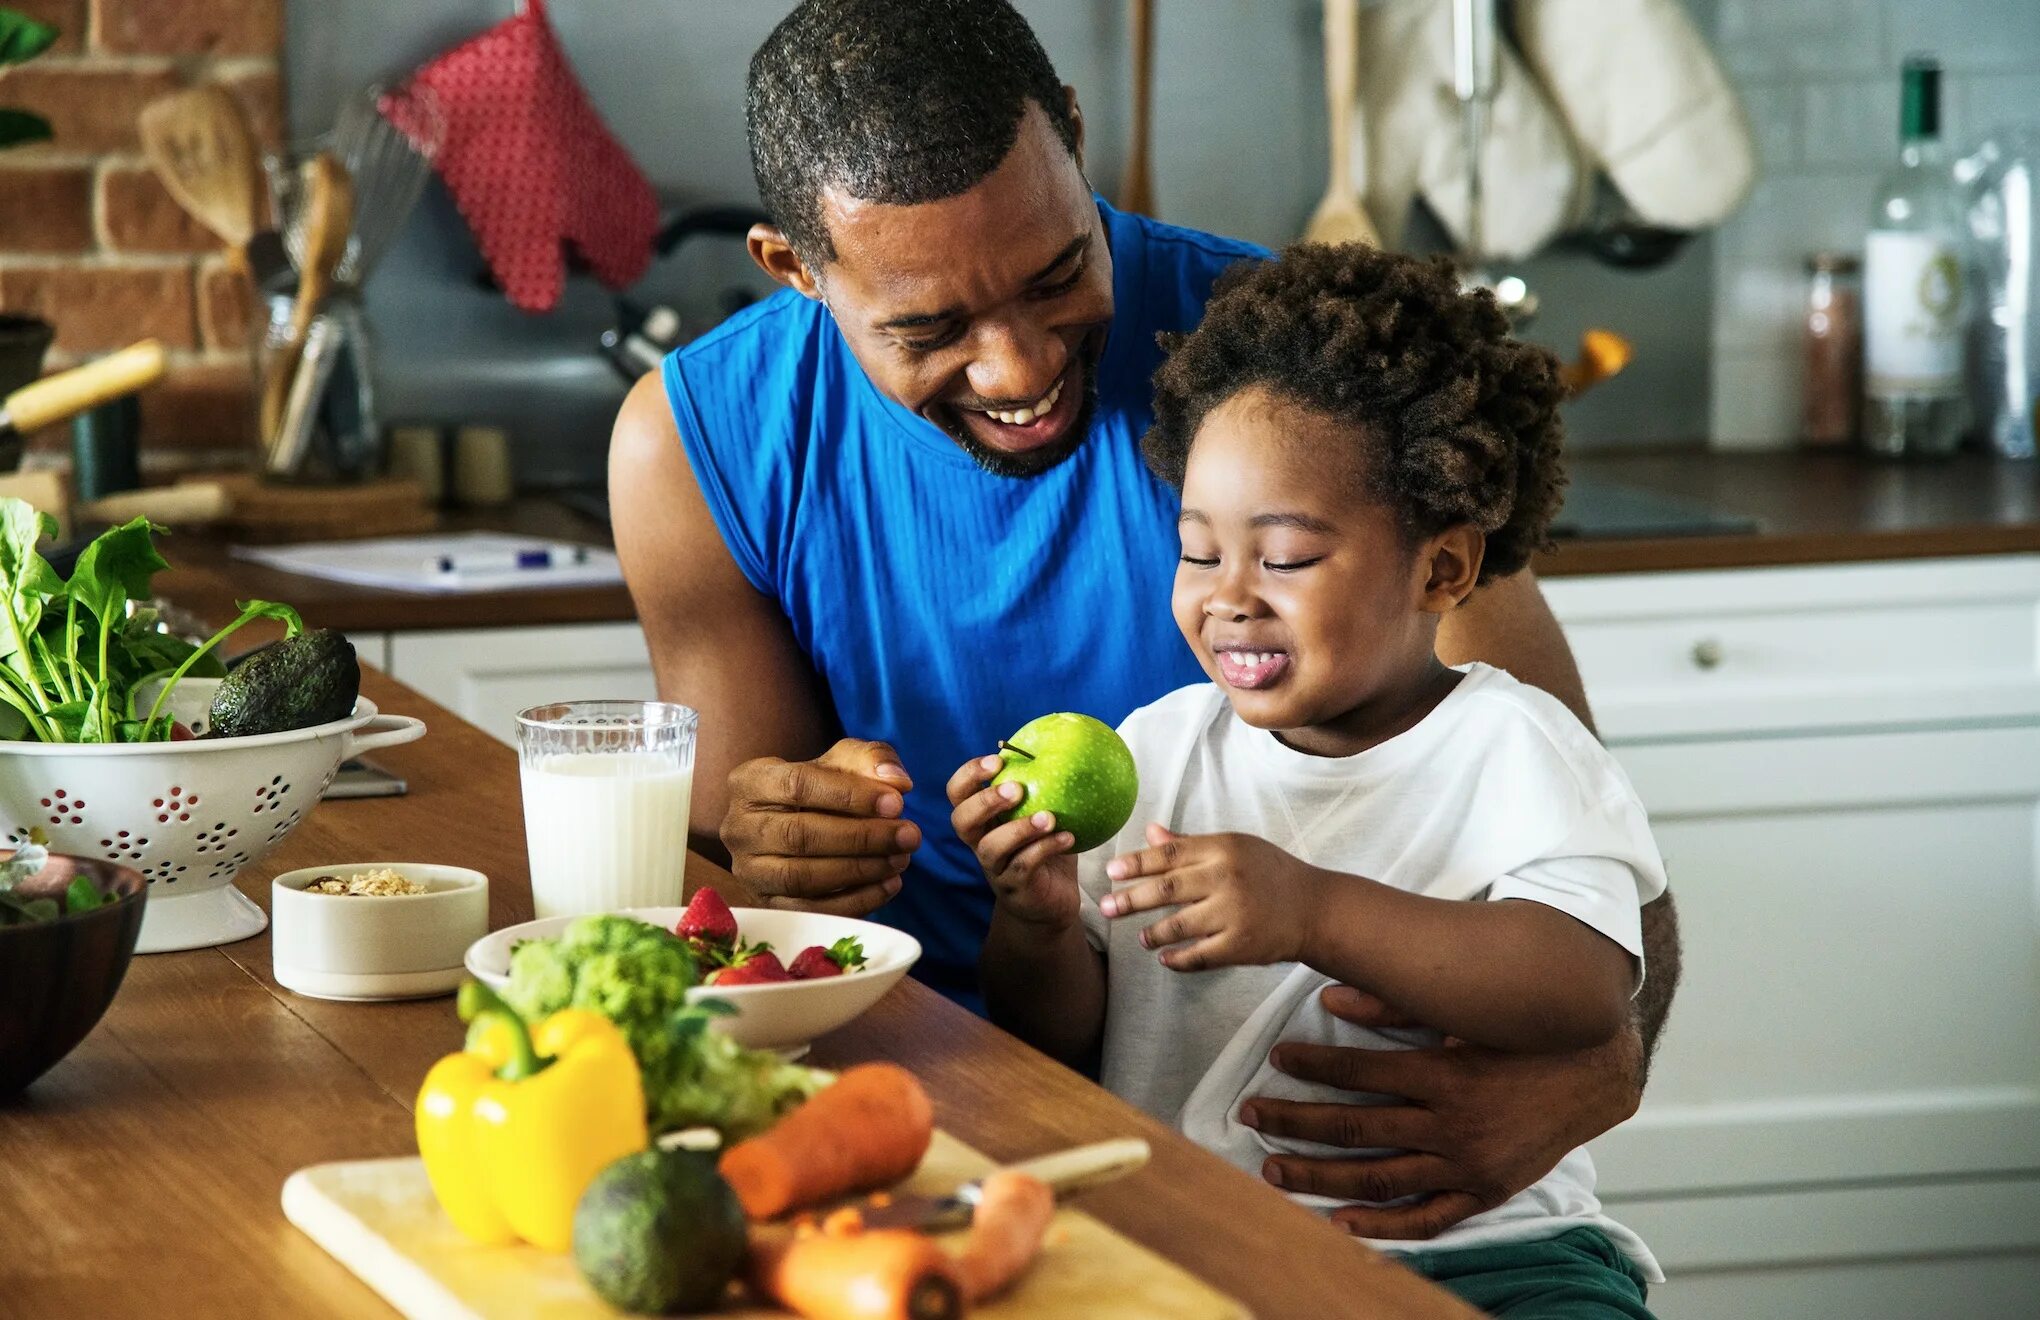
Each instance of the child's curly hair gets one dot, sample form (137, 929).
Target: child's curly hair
(1458, 422)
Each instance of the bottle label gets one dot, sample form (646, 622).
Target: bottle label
(1913, 296)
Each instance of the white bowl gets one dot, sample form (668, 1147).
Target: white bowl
(188, 815)
(780, 1015)
(361, 946)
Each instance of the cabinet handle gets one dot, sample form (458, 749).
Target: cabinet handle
(1706, 653)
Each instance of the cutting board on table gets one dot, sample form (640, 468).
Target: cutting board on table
(378, 1218)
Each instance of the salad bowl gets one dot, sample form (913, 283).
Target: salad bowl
(58, 976)
(779, 1015)
(187, 815)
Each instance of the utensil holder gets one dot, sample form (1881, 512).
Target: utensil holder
(331, 431)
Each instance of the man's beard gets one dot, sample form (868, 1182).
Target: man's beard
(1033, 462)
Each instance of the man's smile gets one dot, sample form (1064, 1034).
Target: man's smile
(1033, 425)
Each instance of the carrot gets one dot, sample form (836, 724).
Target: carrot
(888, 1274)
(1005, 1235)
(868, 1129)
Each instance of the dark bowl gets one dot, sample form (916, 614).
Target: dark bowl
(57, 977)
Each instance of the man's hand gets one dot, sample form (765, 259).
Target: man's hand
(1476, 1126)
(1028, 862)
(1238, 899)
(822, 835)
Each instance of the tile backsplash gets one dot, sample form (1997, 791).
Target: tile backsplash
(1819, 79)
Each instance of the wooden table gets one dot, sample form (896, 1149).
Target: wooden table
(140, 1176)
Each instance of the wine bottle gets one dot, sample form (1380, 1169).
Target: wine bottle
(1914, 293)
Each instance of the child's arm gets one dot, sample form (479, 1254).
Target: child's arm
(1511, 975)
(1042, 979)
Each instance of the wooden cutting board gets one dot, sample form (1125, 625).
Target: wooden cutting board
(378, 1218)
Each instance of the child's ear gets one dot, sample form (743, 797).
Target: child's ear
(1448, 567)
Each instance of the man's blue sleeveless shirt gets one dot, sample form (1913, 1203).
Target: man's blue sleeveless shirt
(941, 606)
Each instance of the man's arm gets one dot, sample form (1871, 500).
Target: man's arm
(1509, 625)
(717, 644)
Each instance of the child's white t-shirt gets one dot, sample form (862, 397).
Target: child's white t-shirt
(1498, 793)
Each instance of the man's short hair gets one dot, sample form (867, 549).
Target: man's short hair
(891, 101)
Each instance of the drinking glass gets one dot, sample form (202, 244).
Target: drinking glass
(606, 791)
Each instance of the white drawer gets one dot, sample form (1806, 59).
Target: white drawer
(1753, 650)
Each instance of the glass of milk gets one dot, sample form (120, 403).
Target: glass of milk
(606, 791)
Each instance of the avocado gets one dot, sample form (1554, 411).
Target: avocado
(309, 679)
(659, 1232)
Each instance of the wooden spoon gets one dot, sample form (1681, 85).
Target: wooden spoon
(1137, 187)
(1339, 217)
(200, 145)
(329, 218)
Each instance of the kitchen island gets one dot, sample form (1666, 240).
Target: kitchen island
(140, 1176)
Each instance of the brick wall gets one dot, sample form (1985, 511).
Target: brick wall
(1820, 81)
(91, 242)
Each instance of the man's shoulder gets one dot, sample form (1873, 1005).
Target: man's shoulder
(782, 323)
(1185, 247)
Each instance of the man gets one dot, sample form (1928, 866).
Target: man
(903, 500)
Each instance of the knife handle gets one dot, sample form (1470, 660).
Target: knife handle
(1079, 1167)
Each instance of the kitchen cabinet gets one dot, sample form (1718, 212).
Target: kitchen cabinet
(487, 675)
(1842, 766)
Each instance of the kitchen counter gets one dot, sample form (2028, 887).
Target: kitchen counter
(1808, 509)
(141, 1175)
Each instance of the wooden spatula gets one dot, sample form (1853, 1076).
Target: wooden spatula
(199, 144)
(329, 218)
(1339, 218)
(1137, 189)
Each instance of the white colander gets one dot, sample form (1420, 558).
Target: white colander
(187, 815)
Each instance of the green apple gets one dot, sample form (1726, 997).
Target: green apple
(1076, 768)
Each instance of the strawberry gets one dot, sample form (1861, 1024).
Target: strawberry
(707, 919)
(845, 955)
(759, 968)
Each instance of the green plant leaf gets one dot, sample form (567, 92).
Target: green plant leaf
(19, 127)
(81, 895)
(115, 569)
(22, 38)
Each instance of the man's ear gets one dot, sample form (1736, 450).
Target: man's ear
(1448, 568)
(1077, 118)
(776, 257)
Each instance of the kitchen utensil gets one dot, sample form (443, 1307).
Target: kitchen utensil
(355, 946)
(1474, 61)
(200, 145)
(379, 1219)
(307, 388)
(187, 815)
(57, 977)
(328, 219)
(1339, 217)
(1066, 1172)
(56, 397)
(23, 341)
(187, 504)
(389, 167)
(775, 1015)
(1137, 186)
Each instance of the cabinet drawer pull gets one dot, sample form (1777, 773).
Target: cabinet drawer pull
(1706, 653)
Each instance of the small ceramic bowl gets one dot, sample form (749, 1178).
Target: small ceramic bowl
(356, 946)
(57, 977)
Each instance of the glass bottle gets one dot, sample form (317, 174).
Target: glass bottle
(1833, 343)
(1913, 286)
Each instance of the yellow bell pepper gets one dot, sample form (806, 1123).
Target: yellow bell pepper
(514, 1127)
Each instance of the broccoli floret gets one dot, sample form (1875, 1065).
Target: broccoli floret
(637, 975)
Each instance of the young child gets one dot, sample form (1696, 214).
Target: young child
(1359, 445)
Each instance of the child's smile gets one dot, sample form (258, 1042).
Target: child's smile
(1299, 590)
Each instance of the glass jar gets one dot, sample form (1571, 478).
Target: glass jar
(325, 418)
(1833, 347)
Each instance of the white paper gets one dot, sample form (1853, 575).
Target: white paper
(409, 563)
